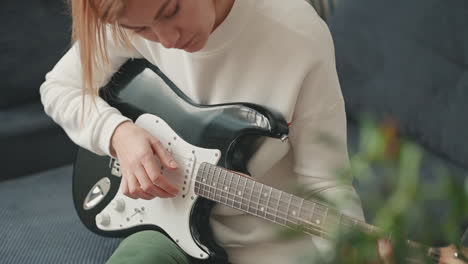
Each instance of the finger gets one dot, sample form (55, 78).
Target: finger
(385, 251)
(135, 190)
(163, 154)
(124, 186)
(154, 174)
(148, 186)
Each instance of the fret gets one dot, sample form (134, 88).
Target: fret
(208, 182)
(263, 203)
(206, 172)
(259, 197)
(324, 218)
(211, 189)
(244, 203)
(281, 220)
(293, 216)
(299, 218)
(269, 215)
(197, 185)
(287, 209)
(318, 214)
(215, 185)
(304, 214)
(205, 180)
(276, 195)
(225, 189)
(281, 215)
(346, 222)
(229, 199)
(201, 170)
(312, 214)
(319, 221)
(332, 220)
(237, 202)
(249, 208)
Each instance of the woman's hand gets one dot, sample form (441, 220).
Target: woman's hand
(137, 151)
(385, 251)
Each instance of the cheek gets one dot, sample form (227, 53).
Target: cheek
(149, 35)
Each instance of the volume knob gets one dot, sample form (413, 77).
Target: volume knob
(103, 219)
(118, 205)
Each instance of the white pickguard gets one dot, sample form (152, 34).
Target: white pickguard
(172, 214)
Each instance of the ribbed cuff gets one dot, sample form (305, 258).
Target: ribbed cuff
(108, 128)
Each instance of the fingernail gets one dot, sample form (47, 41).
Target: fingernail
(173, 164)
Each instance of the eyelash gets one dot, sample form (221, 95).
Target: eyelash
(176, 10)
(139, 30)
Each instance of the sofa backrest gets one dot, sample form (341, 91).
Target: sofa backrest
(408, 60)
(35, 34)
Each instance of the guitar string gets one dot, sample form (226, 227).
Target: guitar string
(235, 174)
(320, 208)
(313, 228)
(322, 211)
(252, 205)
(265, 213)
(183, 158)
(254, 193)
(317, 228)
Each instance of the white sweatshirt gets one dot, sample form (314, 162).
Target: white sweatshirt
(274, 53)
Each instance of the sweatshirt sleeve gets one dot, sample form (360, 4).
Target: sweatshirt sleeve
(318, 133)
(62, 98)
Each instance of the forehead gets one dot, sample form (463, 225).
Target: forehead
(141, 12)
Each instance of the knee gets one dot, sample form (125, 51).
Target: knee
(148, 247)
(147, 238)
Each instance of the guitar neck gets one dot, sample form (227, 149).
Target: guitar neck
(243, 193)
(310, 216)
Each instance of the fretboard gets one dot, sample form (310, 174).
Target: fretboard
(243, 193)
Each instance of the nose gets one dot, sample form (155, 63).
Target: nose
(168, 36)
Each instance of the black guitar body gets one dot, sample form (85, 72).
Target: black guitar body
(232, 128)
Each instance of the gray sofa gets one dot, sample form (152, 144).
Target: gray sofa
(407, 59)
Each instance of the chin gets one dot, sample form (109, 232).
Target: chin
(196, 46)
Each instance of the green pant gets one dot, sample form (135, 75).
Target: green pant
(148, 247)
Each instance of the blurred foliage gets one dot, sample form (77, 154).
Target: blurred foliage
(399, 203)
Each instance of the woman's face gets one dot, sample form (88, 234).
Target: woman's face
(180, 24)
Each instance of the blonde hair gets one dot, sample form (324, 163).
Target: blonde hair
(91, 20)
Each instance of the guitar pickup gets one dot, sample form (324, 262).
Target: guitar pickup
(114, 165)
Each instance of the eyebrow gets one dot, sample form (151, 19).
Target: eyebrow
(158, 14)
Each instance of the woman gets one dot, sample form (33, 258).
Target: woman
(217, 51)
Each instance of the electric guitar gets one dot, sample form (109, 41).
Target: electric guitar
(212, 145)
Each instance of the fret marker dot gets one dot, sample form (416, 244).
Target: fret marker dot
(262, 209)
(294, 212)
(214, 184)
(225, 188)
(318, 222)
(239, 193)
(204, 180)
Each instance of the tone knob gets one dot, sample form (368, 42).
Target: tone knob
(118, 205)
(103, 219)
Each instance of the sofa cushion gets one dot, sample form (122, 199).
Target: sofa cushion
(35, 36)
(409, 60)
(30, 141)
(40, 225)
